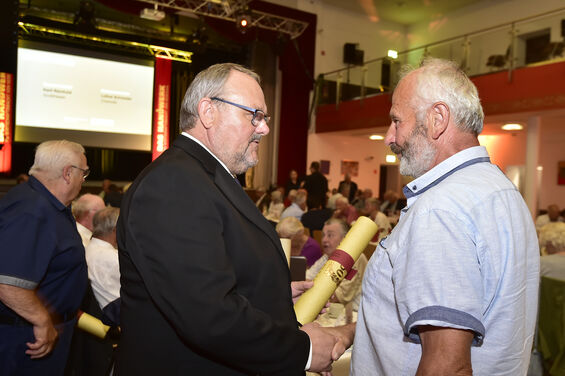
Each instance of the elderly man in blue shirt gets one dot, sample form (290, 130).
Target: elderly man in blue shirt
(453, 289)
(42, 266)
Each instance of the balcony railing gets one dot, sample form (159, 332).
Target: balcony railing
(533, 40)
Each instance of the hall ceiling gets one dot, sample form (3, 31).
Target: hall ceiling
(404, 11)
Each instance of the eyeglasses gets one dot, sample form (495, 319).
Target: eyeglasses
(85, 173)
(258, 115)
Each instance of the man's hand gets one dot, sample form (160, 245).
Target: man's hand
(323, 343)
(26, 304)
(45, 337)
(298, 288)
(345, 335)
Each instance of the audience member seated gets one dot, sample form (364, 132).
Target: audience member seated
(392, 203)
(290, 197)
(359, 204)
(103, 265)
(316, 216)
(298, 207)
(345, 211)
(372, 211)
(552, 238)
(552, 215)
(276, 206)
(333, 198)
(264, 199)
(83, 210)
(349, 291)
(551, 335)
(293, 182)
(301, 244)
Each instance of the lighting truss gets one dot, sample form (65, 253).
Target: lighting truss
(228, 9)
(157, 51)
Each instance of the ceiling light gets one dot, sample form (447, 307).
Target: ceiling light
(512, 127)
(376, 137)
(243, 20)
(390, 158)
(393, 54)
(152, 14)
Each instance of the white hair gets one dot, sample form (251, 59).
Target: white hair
(441, 80)
(82, 205)
(51, 157)
(104, 221)
(289, 227)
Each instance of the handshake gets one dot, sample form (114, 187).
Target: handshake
(328, 344)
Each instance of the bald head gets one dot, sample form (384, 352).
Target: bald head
(553, 212)
(85, 207)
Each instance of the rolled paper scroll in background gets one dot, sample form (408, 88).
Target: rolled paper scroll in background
(311, 302)
(286, 248)
(92, 325)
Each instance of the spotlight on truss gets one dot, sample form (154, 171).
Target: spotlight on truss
(243, 20)
(152, 14)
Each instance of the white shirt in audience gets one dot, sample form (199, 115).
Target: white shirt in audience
(85, 234)
(103, 271)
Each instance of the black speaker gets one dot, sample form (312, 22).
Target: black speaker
(563, 28)
(351, 55)
(385, 74)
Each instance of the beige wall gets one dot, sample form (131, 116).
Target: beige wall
(335, 148)
(505, 150)
(552, 150)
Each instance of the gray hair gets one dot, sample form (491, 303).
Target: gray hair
(301, 197)
(82, 205)
(289, 227)
(343, 199)
(344, 226)
(51, 157)
(208, 83)
(441, 80)
(104, 221)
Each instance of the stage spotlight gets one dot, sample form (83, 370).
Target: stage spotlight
(243, 20)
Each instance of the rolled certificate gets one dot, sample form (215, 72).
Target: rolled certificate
(286, 248)
(92, 325)
(309, 305)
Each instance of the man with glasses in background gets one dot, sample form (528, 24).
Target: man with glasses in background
(205, 285)
(43, 271)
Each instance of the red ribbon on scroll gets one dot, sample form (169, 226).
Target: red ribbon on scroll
(345, 260)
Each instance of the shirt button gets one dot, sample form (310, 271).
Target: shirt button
(414, 187)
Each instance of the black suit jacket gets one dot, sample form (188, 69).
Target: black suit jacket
(205, 283)
(352, 189)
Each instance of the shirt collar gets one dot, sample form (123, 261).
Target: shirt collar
(208, 150)
(464, 158)
(37, 186)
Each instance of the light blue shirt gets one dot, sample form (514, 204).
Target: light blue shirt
(292, 211)
(463, 255)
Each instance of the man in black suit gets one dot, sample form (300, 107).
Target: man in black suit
(348, 188)
(205, 284)
(316, 185)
